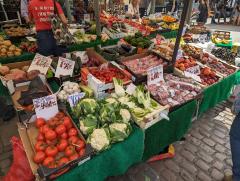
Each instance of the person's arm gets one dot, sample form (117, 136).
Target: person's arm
(61, 14)
(173, 6)
(30, 15)
(24, 10)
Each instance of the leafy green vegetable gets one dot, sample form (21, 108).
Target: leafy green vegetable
(88, 124)
(119, 131)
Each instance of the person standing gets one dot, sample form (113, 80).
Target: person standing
(24, 10)
(143, 6)
(236, 16)
(172, 6)
(235, 138)
(204, 10)
(221, 10)
(41, 12)
(133, 9)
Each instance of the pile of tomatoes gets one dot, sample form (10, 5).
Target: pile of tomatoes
(57, 142)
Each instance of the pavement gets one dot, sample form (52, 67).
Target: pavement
(204, 155)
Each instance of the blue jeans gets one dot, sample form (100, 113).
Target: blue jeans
(47, 44)
(235, 147)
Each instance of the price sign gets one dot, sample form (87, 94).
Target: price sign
(40, 63)
(29, 38)
(193, 76)
(131, 89)
(75, 98)
(64, 67)
(46, 107)
(155, 75)
(194, 70)
(87, 17)
(203, 38)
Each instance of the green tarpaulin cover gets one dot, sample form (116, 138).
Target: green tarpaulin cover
(166, 132)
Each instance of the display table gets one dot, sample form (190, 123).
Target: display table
(114, 161)
(217, 93)
(164, 133)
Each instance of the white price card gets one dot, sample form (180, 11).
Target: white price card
(155, 75)
(87, 17)
(29, 38)
(194, 70)
(75, 98)
(193, 76)
(131, 89)
(64, 67)
(40, 63)
(46, 107)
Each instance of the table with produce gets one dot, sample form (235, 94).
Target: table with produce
(94, 112)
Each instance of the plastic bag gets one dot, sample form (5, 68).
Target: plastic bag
(20, 169)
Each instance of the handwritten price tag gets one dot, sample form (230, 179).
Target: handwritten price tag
(155, 75)
(46, 107)
(87, 17)
(193, 76)
(64, 67)
(194, 70)
(40, 63)
(75, 98)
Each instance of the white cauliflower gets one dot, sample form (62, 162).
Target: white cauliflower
(126, 116)
(99, 139)
(119, 131)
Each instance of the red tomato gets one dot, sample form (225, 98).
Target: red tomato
(51, 151)
(40, 146)
(40, 122)
(80, 145)
(62, 145)
(73, 157)
(72, 132)
(60, 115)
(48, 161)
(50, 135)
(70, 150)
(40, 137)
(51, 143)
(67, 122)
(52, 123)
(63, 161)
(44, 129)
(64, 136)
(60, 129)
(39, 157)
(72, 139)
(81, 152)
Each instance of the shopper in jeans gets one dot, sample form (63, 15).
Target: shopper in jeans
(40, 12)
(221, 10)
(235, 140)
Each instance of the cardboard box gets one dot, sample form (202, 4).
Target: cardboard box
(28, 133)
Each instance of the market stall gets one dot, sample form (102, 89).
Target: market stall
(114, 105)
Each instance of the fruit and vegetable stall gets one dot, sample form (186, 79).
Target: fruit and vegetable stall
(94, 112)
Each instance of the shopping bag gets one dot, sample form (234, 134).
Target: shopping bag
(20, 169)
(60, 31)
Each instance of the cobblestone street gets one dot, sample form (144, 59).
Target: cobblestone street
(204, 155)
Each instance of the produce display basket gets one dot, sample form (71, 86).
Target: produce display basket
(28, 133)
(114, 57)
(153, 117)
(224, 63)
(139, 78)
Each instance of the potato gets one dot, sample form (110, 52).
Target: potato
(3, 50)
(1, 38)
(9, 76)
(7, 43)
(10, 54)
(12, 48)
(19, 50)
(4, 70)
(25, 68)
(32, 74)
(17, 53)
